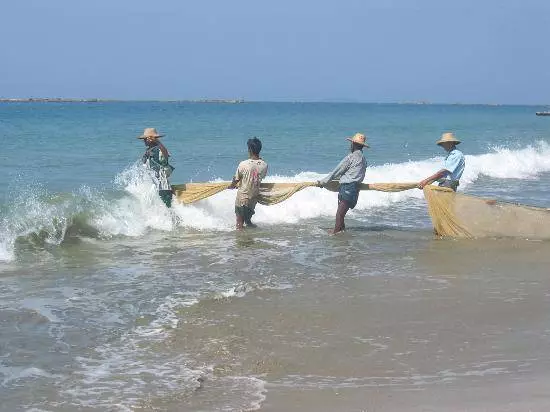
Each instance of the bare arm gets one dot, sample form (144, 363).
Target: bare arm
(442, 173)
(234, 183)
(263, 174)
(236, 179)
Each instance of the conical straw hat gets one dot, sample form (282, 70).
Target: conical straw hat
(359, 138)
(448, 137)
(150, 132)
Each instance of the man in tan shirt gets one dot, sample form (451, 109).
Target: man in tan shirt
(248, 176)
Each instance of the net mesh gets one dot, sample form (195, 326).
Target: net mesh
(459, 215)
(193, 192)
(273, 193)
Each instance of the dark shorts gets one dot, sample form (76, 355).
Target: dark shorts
(166, 197)
(350, 193)
(451, 184)
(245, 212)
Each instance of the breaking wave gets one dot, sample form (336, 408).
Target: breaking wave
(36, 218)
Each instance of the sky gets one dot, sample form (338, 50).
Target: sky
(466, 51)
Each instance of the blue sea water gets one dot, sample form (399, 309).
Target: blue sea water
(66, 145)
(76, 155)
(97, 277)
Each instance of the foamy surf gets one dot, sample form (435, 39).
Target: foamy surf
(132, 207)
(16, 374)
(128, 367)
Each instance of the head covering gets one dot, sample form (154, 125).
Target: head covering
(448, 137)
(150, 132)
(359, 138)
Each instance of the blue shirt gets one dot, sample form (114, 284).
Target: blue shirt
(350, 170)
(454, 164)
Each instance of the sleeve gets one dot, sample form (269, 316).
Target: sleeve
(238, 173)
(162, 160)
(342, 167)
(264, 172)
(154, 154)
(452, 162)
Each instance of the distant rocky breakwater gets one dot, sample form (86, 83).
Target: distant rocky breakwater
(71, 100)
(50, 100)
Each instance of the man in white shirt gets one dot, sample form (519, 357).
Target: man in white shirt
(454, 165)
(248, 176)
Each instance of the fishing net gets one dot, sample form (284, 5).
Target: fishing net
(273, 193)
(453, 214)
(193, 192)
(459, 215)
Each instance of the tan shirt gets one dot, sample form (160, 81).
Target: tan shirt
(250, 174)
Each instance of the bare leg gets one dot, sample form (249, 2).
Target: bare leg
(240, 222)
(248, 222)
(343, 208)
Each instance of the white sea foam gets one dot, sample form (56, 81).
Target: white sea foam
(41, 306)
(124, 368)
(138, 208)
(6, 249)
(134, 214)
(245, 394)
(465, 372)
(122, 372)
(243, 288)
(13, 373)
(166, 315)
(29, 214)
(503, 163)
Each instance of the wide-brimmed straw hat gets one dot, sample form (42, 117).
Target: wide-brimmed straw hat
(448, 137)
(150, 132)
(359, 138)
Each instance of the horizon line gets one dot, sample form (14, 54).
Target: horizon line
(242, 100)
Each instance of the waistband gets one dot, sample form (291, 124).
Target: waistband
(452, 184)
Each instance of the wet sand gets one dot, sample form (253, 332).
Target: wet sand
(434, 326)
(505, 397)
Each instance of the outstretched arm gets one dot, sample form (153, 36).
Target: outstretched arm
(236, 180)
(442, 173)
(234, 183)
(336, 173)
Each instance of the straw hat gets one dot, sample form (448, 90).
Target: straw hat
(448, 137)
(359, 138)
(150, 132)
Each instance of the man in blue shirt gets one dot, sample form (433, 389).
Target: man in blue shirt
(350, 171)
(452, 170)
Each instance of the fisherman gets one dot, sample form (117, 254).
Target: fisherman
(351, 172)
(156, 159)
(248, 176)
(452, 170)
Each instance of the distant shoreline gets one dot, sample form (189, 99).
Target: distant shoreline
(237, 101)
(94, 100)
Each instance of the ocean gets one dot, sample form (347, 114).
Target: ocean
(111, 302)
